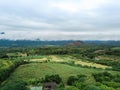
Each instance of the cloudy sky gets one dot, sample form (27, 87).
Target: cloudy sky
(60, 19)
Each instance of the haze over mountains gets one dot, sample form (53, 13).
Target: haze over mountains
(33, 43)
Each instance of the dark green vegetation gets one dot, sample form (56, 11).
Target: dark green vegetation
(72, 68)
(37, 43)
(8, 66)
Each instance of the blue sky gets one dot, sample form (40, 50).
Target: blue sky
(60, 19)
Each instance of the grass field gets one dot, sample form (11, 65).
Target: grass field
(5, 64)
(35, 69)
(38, 67)
(68, 59)
(39, 70)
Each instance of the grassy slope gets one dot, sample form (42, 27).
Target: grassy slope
(38, 70)
(5, 64)
(68, 59)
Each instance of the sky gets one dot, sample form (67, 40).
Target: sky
(60, 19)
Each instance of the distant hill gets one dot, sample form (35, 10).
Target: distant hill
(109, 42)
(76, 43)
(31, 43)
(34, 43)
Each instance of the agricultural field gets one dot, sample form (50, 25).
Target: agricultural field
(36, 71)
(71, 71)
(68, 59)
(59, 44)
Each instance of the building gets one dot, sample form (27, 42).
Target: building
(50, 86)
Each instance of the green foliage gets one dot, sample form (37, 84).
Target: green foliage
(105, 76)
(80, 85)
(71, 88)
(35, 73)
(7, 67)
(112, 84)
(108, 79)
(104, 87)
(72, 80)
(34, 81)
(16, 85)
(92, 87)
(61, 86)
(52, 78)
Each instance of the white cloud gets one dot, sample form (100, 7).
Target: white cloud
(63, 19)
(70, 7)
(58, 35)
(76, 6)
(92, 4)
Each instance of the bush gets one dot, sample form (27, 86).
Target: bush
(15, 85)
(52, 78)
(92, 87)
(34, 81)
(71, 80)
(80, 85)
(76, 79)
(112, 84)
(61, 86)
(105, 76)
(71, 88)
(108, 79)
(104, 87)
(7, 68)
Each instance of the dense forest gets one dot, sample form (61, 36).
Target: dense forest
(37, 42)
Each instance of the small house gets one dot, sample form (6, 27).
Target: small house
(50, 86)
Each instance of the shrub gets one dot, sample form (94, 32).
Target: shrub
(15, 85)
(71, 80)
(52, 78)
(74, 79)
(71, 88)
(92, 87)
(104, 87)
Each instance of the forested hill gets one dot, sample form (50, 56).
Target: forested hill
(109, 42)
(34, 43)
(22, 43)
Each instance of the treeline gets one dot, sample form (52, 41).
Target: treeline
(32, 43)
(37, 43)
(86, 52)
(14, 85)
(48, 78)
(7, 67)
(83, 50)
(21, 85)
(103, 81)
